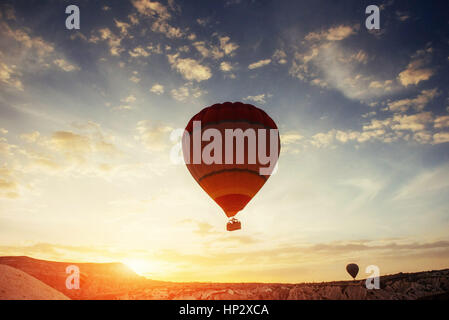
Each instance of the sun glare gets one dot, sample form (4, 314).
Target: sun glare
(141, 267)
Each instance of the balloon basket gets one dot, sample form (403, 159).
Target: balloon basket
(233, 225)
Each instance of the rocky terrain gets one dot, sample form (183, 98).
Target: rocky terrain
(18, 285)
(116, 281)
(422, 285)
(106, 280)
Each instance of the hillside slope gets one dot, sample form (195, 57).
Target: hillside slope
(18, 285)
(96, 278)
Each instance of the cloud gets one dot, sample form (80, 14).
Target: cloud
(325, 62)
(418, 103)
(242, 262)
(402, 16)
(259, 64)
(208, 51)
(290, 142)
(441, 137)
(280, 56)
(259, 98)
(322, 139)
(286, 259)
(113, 41)
(224, 48)
(358, 56)
(169, 31)
(133, 19)
(333, 34)
(415, 122)
(291, 137)
(70, 142)
(122, 26)
(153, 136)
(30, 137)
(155, 48)
(328, 65)
(6, 148)
(126, 103)
(3, 131)
(417, 70)
(36, 45)
(203, 21)
(134, 79)
(319, 83)
(129, 99)
(180, 94)
(406, 127)
(86, 150)
(425, 183)
(203, 229)
(225, 66)
(441, 122)
(151, 8)
(59, 252)
(10, 76)
(160, 15)
(9, 186)
(138, 52)
(157, 89)
(227, 46)
(123, 107)
(385, 85)
(186, 91)
(26, 53)
(189, 68)
(65, 65)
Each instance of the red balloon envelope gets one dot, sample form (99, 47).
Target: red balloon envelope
(230, 185)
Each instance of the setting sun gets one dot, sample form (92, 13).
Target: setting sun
(141, 267)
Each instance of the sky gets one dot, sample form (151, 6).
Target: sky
(87, 116)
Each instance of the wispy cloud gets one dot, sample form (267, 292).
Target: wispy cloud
(153, 136)
(157, 89)
(260, 98)
(189, 68)
(418, 69)
(259, 64)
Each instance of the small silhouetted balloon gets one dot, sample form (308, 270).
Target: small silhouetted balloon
(352, 269)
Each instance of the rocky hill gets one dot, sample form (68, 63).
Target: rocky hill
(97, 279)
(18, 285)
(412, 286)
(116, 281)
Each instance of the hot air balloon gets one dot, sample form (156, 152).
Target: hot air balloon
(231, 184)
(352, 269)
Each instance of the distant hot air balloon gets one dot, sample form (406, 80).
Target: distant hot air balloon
(230, 185)
(352, 269)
